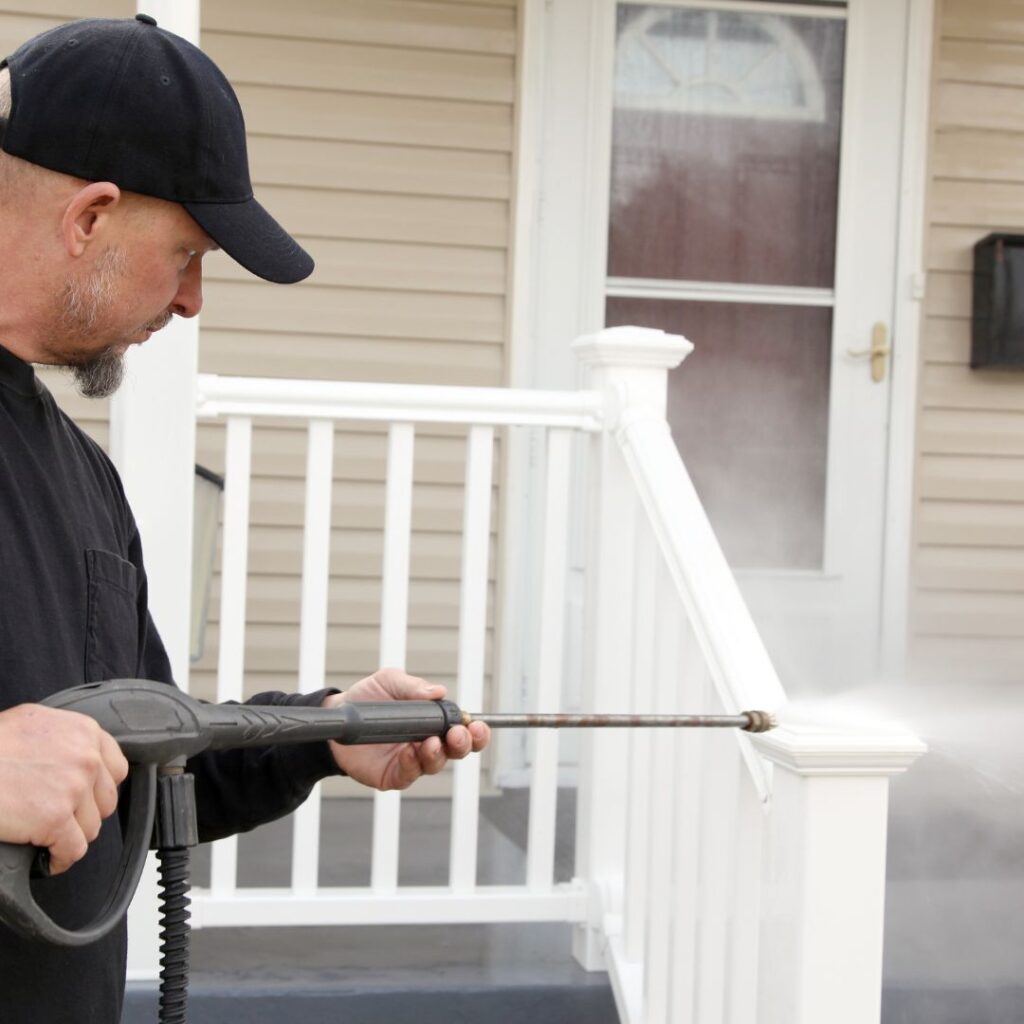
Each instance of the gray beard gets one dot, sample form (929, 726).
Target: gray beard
(96, 374)
(101, 375)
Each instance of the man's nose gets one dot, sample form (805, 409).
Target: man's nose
(189, 300)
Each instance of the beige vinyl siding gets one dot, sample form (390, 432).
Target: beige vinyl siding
(273, 599)
(967, 611)
(381, 135)
(20, 21)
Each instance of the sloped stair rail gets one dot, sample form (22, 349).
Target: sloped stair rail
(739, 879)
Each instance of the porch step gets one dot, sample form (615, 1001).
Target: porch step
(501, 973)
(496, 1005)
(504, 974)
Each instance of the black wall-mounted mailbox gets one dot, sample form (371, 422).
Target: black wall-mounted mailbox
(997, 326)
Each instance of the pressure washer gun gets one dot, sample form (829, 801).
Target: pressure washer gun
(158, 728)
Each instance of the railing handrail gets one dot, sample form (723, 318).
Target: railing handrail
(740, 667)
(695, 559)
(409, 403)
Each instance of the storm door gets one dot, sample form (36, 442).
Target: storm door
(753, 209)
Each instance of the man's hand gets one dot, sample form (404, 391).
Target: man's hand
(398, 765)
(59, 773)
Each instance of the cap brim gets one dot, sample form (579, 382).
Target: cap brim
(251, 237)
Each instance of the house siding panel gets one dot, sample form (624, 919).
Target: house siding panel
(381, 133)
(383, 70)
(962, 569)
(989, 21)
(417, 24)
(967, 599)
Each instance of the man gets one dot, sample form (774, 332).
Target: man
(122, 163)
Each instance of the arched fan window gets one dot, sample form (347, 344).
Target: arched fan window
(722, 63)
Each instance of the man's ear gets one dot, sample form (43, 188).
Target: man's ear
(87, 215)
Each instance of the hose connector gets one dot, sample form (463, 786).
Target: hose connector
(759, 721)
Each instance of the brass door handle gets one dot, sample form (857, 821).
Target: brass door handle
(880, 348)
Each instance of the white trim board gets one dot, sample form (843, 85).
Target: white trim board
(717, 291)
(910, 277)
(825, 9)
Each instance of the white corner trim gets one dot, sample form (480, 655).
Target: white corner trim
(911, 282)
(521, 290)
(178, 16)
(808, 751)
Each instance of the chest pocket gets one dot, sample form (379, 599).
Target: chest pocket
(112, 629)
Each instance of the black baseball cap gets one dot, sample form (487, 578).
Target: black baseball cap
(128, 102)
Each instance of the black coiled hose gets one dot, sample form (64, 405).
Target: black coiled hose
(174, 933)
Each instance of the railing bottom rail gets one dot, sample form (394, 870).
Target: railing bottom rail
(412, 905)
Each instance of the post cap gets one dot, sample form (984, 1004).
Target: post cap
(808, 751)
(644, 347)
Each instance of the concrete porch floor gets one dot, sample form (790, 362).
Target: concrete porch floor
(505, 974)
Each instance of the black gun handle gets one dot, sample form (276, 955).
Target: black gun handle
(18, 907)
(396, 721)
(357, 721)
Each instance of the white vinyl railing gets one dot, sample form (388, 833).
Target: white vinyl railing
(713, 872)
(749, 885)
(240, 402)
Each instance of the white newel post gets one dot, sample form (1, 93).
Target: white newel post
(152, 442)
(629, 366)
(824, 899)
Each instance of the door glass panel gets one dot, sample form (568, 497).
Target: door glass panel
(725, 170)
(725, 158)
(749, 414)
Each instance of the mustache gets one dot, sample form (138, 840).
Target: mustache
(160, 322)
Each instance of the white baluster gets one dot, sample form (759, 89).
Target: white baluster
(663, 858)
(313, 628)
(476, 537)
(720, 793)
(234, 567)
(694, 682)
(540, 858)
(741, 993)
(394, 617)
(642, 793)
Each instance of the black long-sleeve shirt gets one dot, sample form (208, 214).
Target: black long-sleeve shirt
(73, 609)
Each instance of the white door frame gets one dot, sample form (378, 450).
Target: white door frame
(910, 292)
(555, 286)
(560, 238)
